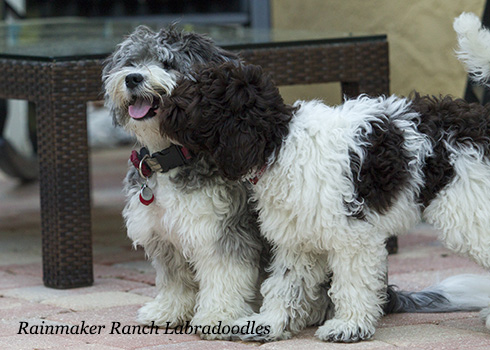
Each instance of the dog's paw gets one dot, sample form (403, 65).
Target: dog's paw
(260, 328)
(336, 330)
(164, 314)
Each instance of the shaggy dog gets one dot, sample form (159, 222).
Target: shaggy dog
(333, 183)
(474, 52)
(197, 228)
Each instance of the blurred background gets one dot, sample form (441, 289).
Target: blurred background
(420, 36)
(420, 32)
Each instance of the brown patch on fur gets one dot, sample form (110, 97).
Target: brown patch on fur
(460, 124)
(232, 112)
(384, 171)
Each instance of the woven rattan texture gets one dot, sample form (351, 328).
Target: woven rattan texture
(360, 67)
(64, 169)
(60, 91)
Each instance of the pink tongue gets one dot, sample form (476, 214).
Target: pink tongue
(139, 109)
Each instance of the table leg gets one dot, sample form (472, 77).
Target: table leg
(65, 193)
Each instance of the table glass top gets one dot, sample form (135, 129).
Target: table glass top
(69, 38)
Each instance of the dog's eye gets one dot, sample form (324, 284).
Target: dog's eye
(166, 65)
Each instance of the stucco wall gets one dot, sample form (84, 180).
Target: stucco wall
(420, 36)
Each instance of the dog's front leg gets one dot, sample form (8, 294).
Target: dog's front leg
(227, 289)
(357, 292)
(293, 296)
(174, 303)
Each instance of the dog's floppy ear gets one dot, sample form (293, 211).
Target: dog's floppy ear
(232, 112)
(178, 119)
(250, 119)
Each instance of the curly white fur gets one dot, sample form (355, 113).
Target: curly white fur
(203, 285)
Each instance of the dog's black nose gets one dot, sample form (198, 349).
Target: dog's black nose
(133, 80)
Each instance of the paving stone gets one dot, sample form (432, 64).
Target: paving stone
(134, 341)
(40, 293)
(18, 309)
(30, 342)
(86, 346)
(395, 320)
(429, 336)
(20, 257)
(146, 276)
(142, 266)
(316, 344)
(150, 291)
(417, 238)
(306, 340)
(474, 324)
(124, 314)
(10, 327)
(117, 255)
(14, 280)
(33, 269)
(207, 345)
(97, 300)
(426, 258)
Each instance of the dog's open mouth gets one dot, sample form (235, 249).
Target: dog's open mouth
(142, 108)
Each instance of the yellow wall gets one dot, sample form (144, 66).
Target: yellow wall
(420, 36)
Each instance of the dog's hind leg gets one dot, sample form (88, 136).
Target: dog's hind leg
(461, 210)
(174, 303)
(358, 292)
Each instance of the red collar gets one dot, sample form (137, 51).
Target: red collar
(255, 177)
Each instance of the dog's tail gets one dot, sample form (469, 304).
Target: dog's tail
(457, 293)
(474, 46)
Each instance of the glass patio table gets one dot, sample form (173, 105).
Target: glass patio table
(56, 64)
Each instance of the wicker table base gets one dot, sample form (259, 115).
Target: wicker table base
(61, 89)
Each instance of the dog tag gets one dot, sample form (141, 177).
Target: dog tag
(146, 195)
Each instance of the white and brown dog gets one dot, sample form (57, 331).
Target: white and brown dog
(335, 182)
(474, 52)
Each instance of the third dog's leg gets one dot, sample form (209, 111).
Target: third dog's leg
(292, 296)
(357, 292)
(177, 290)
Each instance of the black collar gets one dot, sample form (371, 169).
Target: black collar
(163, 161)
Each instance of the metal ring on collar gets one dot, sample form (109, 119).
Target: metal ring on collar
(141, 164)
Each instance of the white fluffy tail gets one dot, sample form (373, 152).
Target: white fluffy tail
(457, 293)
(466, 292)
(474, 46)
